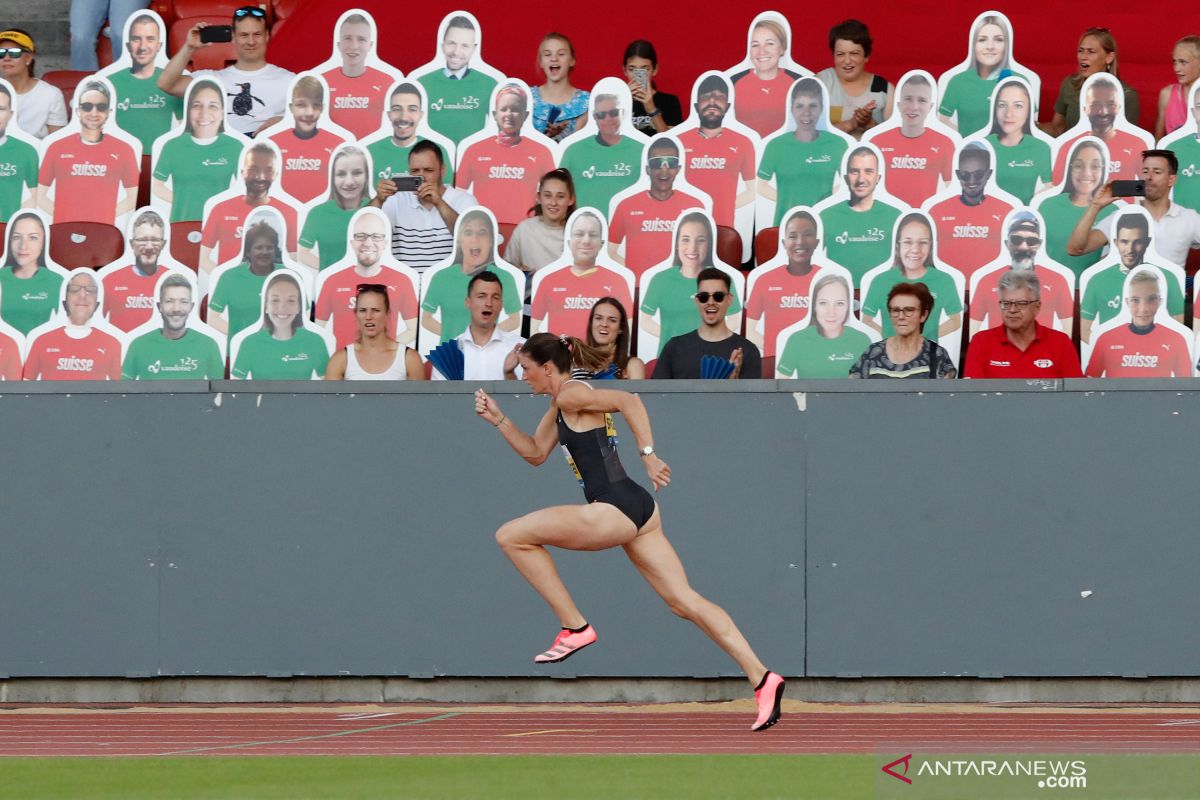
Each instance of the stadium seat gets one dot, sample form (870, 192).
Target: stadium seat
(506, 232)
(766, 245)
(85, 244)
(143, 196)
(215, 8)
(65, 80)
(282, 9)
(104, 51)
(729, 246)
(185, 244)
(215, 56)
(165, 9)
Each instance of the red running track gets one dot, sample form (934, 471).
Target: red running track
(594, 730)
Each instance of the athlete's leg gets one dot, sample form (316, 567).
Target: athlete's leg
(654, 557)
(596, 526)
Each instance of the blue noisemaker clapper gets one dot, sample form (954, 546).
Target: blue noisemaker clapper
(447, 358)
(712, 367)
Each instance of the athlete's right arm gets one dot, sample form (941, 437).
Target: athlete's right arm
(534, 449)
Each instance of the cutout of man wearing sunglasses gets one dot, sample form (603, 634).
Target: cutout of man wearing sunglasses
(605, 164)
(683, 355)
(256, 92)
(970, 225)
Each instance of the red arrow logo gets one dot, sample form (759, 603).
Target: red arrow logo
(902, 760)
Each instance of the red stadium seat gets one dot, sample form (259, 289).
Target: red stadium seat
(185, 243)
(165, 9)
(506, 232)
(729, 246)
(65, 80)
(85, 244)
(104, 51)
(215, 8)
(215, 56)
(143, 196)
(766, 245)
(282, 9)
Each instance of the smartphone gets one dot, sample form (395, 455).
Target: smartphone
(407, 183)
(1129, 188)
(641, 76)
(212, 34)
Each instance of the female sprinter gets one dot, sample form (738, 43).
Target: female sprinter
(618, 511)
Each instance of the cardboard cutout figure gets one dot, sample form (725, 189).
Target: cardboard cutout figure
(90, 168)
(858, 219)
(763, 79)
(173, 344)
(913, 261)
(969, 212)
(1102, 107)
(966, 90)
(1022, 150)
(130, 280)
(197, 162)
(1023, 238)
(1142, 341)
(12, 350)
(405, 124)
(323, 235)
(306, 139)
(565, 291)
(502, 164)
(917, 146)
(1062, 210)
(777, 292)
(604, 156)
(143, 110)
(457, 80)
(19, 153)
(30, 282)
(282, 345)
(76, 344)
(667, 305)
(642, 217)
(369, 260)
(444, 287)
(1101, 284)
(357, 77)
(1184, 142)
(830, 340)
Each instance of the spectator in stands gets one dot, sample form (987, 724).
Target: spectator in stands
(826, 347)
(325, 225)
(474, 252)
(804, 165)
(603, 165)
(92, 176)
(489, 351)
(19, 178)
(1176, 229)
(1087, 167)
(645, 221)
(200, 162)
(29, 289)
(219, 241)
(305, 148)
(129, 290)
(235, 299)
(458, 94)
(858, 232)
(41, 110)
(968, 226)
(337, 287)
(389, 154)
(762, 88)
(967, 101)
(858, 100)
(608, 331)
(906, 353)
(559, 109)
(143, 109)
(176, 351)
(720, 160)
(682, 356)
(920, 160)
(258, 90)
(1022, 159)
(1172, 100)
(780, 294)
(538, 240)
(653, 111)
(564, 297)
(77, 350)
(374, 355)
(282, 349)
(1021, 347)
(913, 264)
(356, 90)
(1142, 348)
(1097, 52)
(423, 219)
(88, 18)
(1102, 104)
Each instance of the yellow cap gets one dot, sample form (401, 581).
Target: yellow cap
(22, 39)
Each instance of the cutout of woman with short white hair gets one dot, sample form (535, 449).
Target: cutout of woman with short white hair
(457, 80)
(12, 349)
(357, 77)
(306, 141)
(966, 90)
(1022, 150)
(830, 340)
(668, 308)
(76, 344)
(286, 346)
(323, 235)
(1102, 115)
(1086, 174)
(501, 165)
(764, 78)
(1142, 341)
(913, 261)
(604, 155)
(19, 151)
(564, 291)
(174, 345)
(1184, 142)
(30, 281)
(143, 110)
(405, 123)
(444, 287)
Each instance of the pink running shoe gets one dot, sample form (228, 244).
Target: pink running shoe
(565, 644)
(768, 695)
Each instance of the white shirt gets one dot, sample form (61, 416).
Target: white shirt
(486, 362)
(247, 109)
(1172, 236)
(397, 371)
(41, 106)
(420, 237)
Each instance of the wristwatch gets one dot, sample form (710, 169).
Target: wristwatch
(648, 450)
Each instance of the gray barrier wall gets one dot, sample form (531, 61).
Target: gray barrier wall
(849, 528)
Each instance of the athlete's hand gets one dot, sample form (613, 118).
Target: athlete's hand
(659, 472)
(486, 407)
